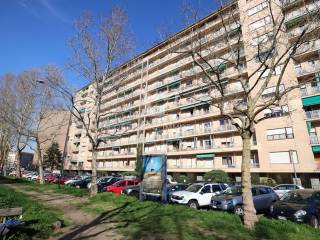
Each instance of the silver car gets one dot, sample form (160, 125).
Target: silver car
(263, 199)
(284, 188)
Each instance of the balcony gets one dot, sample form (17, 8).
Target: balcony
(309, 91)
(314, 140)
(307, 68)
(308, 47)
(314, 114)
(298, 15)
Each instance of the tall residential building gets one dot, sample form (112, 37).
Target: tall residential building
(53, 128)
(163, 103)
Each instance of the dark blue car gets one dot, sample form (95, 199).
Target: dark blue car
(301, 206)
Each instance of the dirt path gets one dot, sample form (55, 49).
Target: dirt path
(81, 225)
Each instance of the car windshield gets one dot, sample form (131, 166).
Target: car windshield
(233, 191)
(194, 187)
(297, 197)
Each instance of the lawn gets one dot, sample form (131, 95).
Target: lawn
(150, 220)
(33, 186)
(38, 219)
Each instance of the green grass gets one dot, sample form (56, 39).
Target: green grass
(38, 219)
(34, 186)
(150, 220)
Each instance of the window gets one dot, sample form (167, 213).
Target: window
(206, 189)
(277, 111)
(260, 23)
(261, 38)
(257, 8)
(189, 82)
(263, 190)
(266, 72)
(207, 143)
(270, 92)
(262, 56)
(227, 161)
(283, 157)
(216, 188)
(280, 133)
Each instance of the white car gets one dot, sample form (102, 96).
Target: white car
(198, 194)
(281, 189)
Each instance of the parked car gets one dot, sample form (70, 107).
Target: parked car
(52, 178)
(63, 179)
(176, 187)
(198, 194)
(135, 190)
(120, 185)
(82, 183)
(284, 188)
(263, 199)
(300, 206)
(76, 178)
(107, 182)
(132, 191)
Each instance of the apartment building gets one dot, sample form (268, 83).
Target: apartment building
(163, 104)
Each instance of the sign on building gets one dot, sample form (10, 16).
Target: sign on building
(154, 176)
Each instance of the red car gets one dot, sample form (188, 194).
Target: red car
(120, 185)
(52, 178)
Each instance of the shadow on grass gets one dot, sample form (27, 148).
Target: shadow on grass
(101, 219)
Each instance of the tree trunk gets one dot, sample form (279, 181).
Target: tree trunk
(40, 163)
(250, 217)
(94, 187)
(18, 164)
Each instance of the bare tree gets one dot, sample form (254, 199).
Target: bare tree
(7, 134)
(45, 109)
(26, 105)
(244, 75)
(97, 48)
(18, 102)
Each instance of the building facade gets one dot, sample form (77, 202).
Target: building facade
(163, 104)
(53, 128)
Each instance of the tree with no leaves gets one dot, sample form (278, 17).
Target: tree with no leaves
(18, 101)
(97, 48)
(244, 76)
(26, 105)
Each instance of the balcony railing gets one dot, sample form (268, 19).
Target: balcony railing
(308, 69)
(308, 91)
(306, 47)
(314, 140)
(195, 132)
(312, 114)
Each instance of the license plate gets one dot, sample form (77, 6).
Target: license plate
(282, 218)
(213, 206)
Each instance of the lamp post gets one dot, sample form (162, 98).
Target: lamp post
(293, 165)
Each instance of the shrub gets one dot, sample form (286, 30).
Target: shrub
(217, 176)
(183, 179)
(268, 181)
(133, 173)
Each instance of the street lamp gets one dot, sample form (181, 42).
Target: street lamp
(293, 165)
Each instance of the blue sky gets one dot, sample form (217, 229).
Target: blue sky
(34, 32)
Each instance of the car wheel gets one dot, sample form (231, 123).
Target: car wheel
(135, 194)
(239, 210)
(314, 222)
(193, 204)
(271, 208)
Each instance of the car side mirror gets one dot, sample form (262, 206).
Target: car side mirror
(201, 193)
